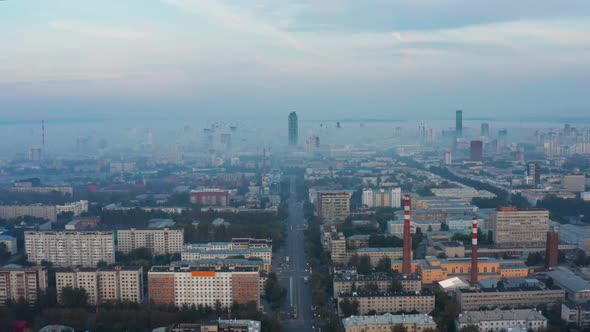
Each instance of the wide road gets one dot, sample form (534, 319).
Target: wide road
(298, 291)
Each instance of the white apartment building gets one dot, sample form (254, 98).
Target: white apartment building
(21, 282)
(382, 197)
(526, 228)
(70, 248)
(76, 208)
(103, 285)
(159, 241)
(204, 285)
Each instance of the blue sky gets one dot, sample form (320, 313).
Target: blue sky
(323, 58)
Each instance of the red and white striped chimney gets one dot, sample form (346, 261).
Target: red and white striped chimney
(474, 266)
(407, 253)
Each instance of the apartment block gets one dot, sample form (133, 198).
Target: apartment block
(159, 241)
(22, 282)
(37, 210)
(200, 285)
(524, 228)
(70, 248)
(10, 243)
(333, 205)
(386, 323)
(383, 302)
(103, 285)
(503, 320)
(343, 283)
(223, 250)
(382, 197)
(513, 297)
(574, 182)
(376, 254)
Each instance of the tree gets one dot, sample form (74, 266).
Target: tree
(549, 283)
(4, 254)
(371, 287)
(396, 285)
(349, 308)
(384, 265)
(469, 328)
(364, 266)
(442, 255)
(74, 297)
(500, 285)
(400, 328)
(101, 264)
(274, 291)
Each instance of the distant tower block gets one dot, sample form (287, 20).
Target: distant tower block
(474, 266)
(293, 129)
(407, 250)
(459, 123)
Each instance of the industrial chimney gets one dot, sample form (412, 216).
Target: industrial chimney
(474, 251)
(552, 250)
(407, 254)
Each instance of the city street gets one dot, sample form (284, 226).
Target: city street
(292, 277)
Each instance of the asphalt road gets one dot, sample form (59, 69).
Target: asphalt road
(298, 291)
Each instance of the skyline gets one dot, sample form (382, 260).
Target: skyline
(325, 59)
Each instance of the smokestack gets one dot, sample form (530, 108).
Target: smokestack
(407, 253)
(474, 251)
(552, 249)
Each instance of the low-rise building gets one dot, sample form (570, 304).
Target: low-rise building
(502, 320)
(222, 325)
(376, 254)
(514, 297)
(18, 282)
(577, 289)
(344, 283)
(383, 302)
(103, 285)
(223, 250)
(577, 313)
(386, 322)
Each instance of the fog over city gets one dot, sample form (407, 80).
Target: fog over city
(294, 166)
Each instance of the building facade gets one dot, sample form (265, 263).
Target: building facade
(386, 323)
(383, 302)
(210, 197)
(525, 228)
(382, 197)
(159, 241)
(514, 297)
(200, 285)
(574, 182)
(333, 205)
(345, 283)
(103, 285)
(293, 129)
(70, 248)
(502, 320)
(22, 282)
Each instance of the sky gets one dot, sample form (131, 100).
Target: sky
(324, 59)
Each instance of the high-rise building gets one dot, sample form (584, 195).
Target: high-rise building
(103, 285)
(533, 174)
(70, 248)
(293, 129)
(210, 197)
(382, 197)
(333, 205)
(459, 123)
(159, 241)
(448, 158)
(485, 129)
(202, 285)
(22, 282)
(524, 228)
(476, 150)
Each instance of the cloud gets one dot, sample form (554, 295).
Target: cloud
(238, 19)
(98, 30)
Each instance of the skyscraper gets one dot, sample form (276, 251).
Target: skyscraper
(293, 130)
(485, 129)
(459, 123)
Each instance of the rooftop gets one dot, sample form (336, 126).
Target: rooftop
(475, 317)
(386, 294)
(388, 319)
(569, 279)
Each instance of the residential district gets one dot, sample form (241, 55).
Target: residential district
(462, 229)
